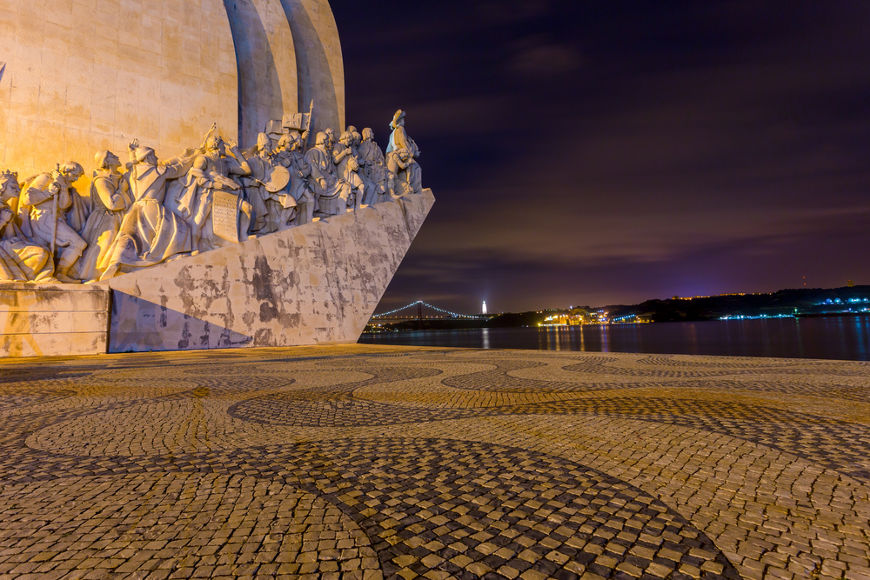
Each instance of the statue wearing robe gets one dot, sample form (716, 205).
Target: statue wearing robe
(150, 233)
(42, 208)
(110, 199)
(21, 259)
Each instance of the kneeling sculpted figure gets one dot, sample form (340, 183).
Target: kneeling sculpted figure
(20, 258)
(42, 209)
(149, 233)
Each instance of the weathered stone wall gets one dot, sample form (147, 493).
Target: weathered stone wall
(314, 284)
(86, 76)
(46, 320)
(77, 77)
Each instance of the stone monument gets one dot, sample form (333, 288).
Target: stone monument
(242, 212)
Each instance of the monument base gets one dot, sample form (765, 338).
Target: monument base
(314, 284)
(53, 319)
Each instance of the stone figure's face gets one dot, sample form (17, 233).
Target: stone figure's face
(368, 134)
(71, 172)
(345, 139)
(150, 158)
(9, 188)
(112, 161)
(215, 144)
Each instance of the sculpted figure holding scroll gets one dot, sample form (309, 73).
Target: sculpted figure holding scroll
(211, 178)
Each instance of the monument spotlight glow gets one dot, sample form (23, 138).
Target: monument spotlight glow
(195, 170)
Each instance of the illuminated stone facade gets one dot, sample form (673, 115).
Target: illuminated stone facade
(80, 77)
(297, 222)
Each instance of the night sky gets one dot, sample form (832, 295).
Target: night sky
(591, 153)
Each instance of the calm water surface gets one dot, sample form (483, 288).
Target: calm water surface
(846, 338)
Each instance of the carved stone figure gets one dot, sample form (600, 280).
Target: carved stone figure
(354, 184)
(150, 233)
(110, 198)
(261, 165)
(329, 144)
(20, 258)
(290, 155)
(373, 168)
(355, 139)
(404, 174)
(42, 208)
(212, 179)
(343, 152)
(201, 201)
(269, 185)
(330, 191)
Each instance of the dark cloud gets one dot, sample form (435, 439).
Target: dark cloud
(611, 152)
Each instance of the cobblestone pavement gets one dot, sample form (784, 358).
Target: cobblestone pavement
(393, 462)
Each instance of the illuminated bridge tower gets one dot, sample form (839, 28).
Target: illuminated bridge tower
(483, 308)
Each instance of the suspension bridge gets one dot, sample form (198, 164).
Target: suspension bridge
(421, 310)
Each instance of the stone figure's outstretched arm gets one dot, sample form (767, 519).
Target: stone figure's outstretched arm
(40, 191)
(240, 166)
(178, 167)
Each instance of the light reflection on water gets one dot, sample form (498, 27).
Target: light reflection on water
(845, 338)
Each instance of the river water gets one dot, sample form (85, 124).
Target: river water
(844, 337)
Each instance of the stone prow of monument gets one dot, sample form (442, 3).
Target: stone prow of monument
(313, 284)
(162, 72)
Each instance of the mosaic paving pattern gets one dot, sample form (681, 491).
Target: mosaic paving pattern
(385, 462)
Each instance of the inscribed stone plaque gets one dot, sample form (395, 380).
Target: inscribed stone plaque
(225, 216)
